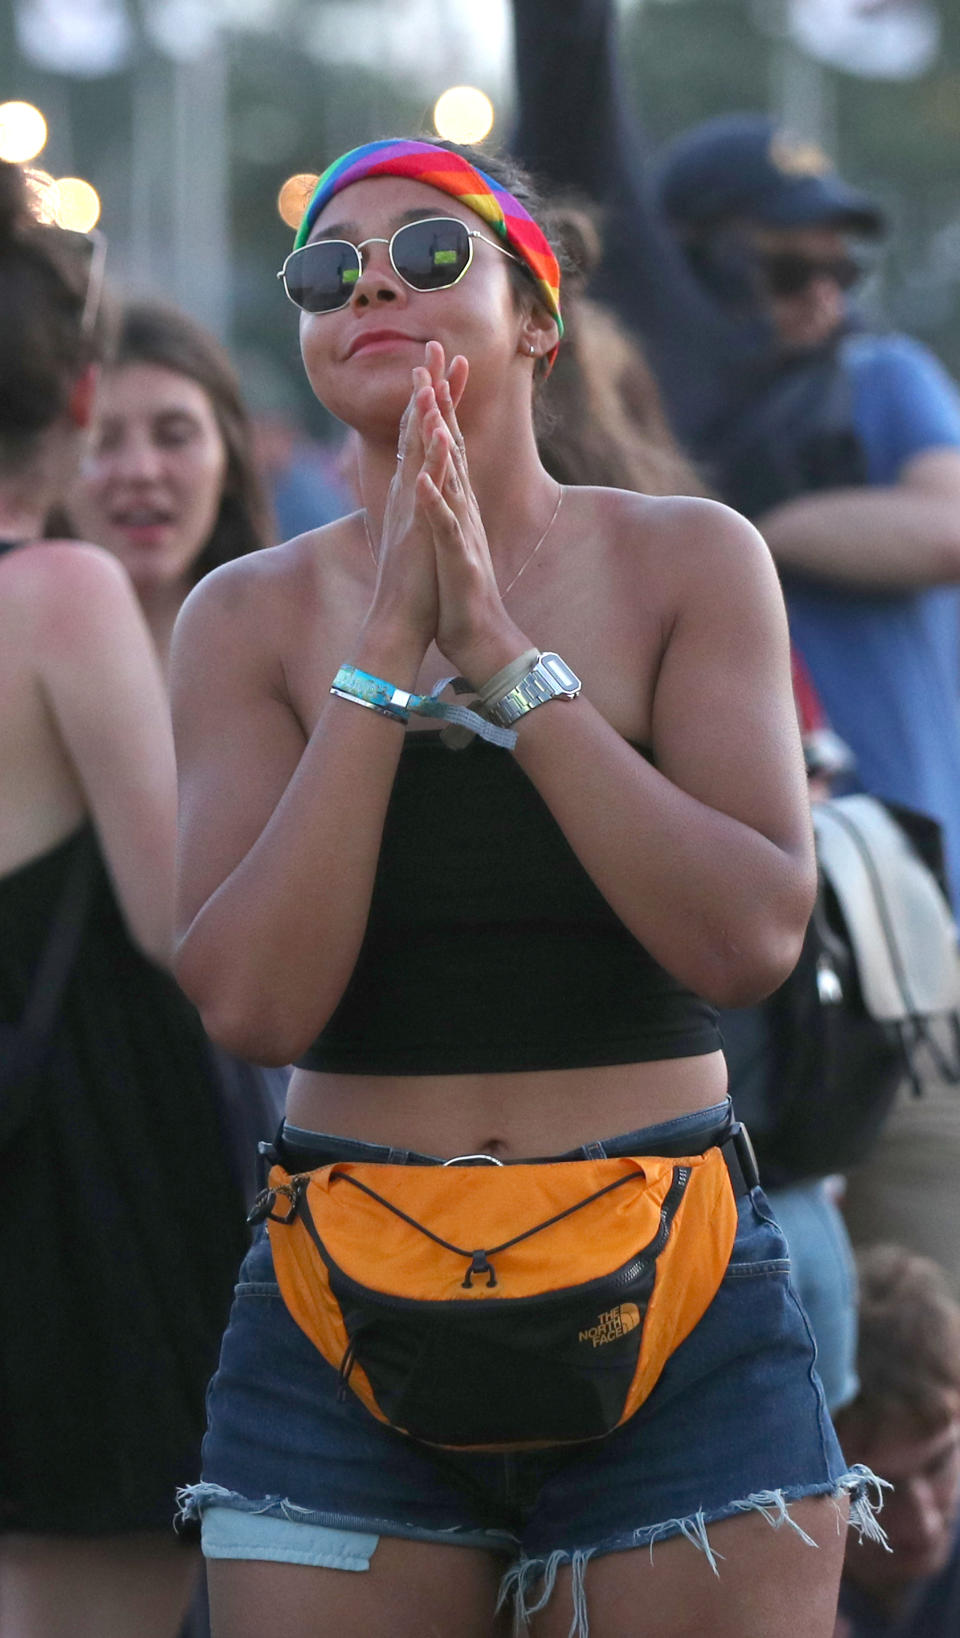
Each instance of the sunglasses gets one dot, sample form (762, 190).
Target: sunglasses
(432, 254)
(95, 245)
(787, 274)
(90, 245)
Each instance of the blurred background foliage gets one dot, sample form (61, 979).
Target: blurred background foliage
(188, 149)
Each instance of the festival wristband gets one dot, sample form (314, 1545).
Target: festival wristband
(359, 688)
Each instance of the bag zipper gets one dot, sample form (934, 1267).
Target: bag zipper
(622, 1276)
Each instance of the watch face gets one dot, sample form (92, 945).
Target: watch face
(559, 672)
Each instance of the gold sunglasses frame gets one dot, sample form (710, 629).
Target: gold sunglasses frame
(424, 221)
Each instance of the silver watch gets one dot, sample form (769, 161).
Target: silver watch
(550, 678)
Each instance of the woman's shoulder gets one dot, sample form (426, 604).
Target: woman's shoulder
(275, 575)
(62, 567)
(70, 591)
(263, 603)
(679, 524)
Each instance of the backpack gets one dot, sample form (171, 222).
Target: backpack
(873, 1001)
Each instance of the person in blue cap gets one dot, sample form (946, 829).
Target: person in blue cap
(734, 254)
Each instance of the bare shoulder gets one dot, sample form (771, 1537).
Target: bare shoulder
(73, 593)
(259, 608)
(266, 585)
(684, 539)
(64, 568)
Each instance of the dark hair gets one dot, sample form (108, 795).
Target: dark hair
(599, 418)
(908, 1351)
(44, 274)
(153, 333)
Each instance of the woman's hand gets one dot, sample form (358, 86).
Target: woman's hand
(406, 587)
(473, 629)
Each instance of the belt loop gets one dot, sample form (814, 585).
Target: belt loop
(594, 1151)
(398, 1157)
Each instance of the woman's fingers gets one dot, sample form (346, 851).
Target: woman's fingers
(411, 443)
(444, 524)
(457, 378)
(448, 386)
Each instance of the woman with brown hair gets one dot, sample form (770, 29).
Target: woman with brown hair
(497, 962)
(169, 484)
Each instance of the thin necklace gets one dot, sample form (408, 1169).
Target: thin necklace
(530, 557)
(366, 530)
(524, 565)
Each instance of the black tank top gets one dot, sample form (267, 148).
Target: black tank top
(488, 947)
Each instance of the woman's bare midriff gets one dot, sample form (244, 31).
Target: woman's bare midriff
(532, 1112)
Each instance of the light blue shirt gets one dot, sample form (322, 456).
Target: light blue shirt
(887, 665)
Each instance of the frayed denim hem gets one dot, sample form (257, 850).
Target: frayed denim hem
(535, 1578)
(193, 1498)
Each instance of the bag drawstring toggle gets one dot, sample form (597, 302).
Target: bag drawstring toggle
(480, 1265)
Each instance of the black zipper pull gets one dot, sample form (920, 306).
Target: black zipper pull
(262, 1207)
(480, 1265)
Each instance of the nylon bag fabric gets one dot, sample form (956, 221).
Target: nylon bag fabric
(489, 1307)
(875, 997)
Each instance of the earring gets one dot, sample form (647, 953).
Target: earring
(531, 349)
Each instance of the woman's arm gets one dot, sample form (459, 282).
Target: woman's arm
(280, 826)
(707, 856)
(279, 831)
(578, 129)
(98, 673)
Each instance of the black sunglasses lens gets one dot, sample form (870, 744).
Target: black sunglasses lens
(321, 277)
(847, 273)
(788, 275)
(431, 255)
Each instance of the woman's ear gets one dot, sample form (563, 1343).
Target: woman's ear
(82, 396)
(539, 334)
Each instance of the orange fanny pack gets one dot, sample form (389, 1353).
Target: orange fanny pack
(501, 1307)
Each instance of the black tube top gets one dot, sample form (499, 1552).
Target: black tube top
(488, 948)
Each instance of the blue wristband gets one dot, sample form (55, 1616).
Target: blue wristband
(359, 687)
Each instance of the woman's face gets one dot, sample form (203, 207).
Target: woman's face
(150, 487)
(359, 358)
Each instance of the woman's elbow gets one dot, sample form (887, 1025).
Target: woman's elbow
(744, 972)
(752, 977)
(241, 1021)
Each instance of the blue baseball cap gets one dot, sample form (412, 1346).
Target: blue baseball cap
(745, 165)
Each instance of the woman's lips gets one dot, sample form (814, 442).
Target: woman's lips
(142, 525)
(370, 340)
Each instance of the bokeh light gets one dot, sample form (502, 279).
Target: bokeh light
(78, 204)
(463, 114)
(294, 197)
(23, 132)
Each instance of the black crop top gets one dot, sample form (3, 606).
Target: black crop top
(488, 948)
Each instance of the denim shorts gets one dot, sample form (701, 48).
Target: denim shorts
(737, 1422)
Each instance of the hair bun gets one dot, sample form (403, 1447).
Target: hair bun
(14, 201)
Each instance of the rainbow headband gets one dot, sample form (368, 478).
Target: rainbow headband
(440, 168)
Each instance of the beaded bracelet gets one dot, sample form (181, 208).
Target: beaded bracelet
(360, 688)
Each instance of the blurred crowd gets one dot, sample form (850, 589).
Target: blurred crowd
(714, 346)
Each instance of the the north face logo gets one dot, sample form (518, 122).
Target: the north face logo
(616, 1322)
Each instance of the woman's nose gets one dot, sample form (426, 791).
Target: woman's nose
(377, 282)
(137, 457)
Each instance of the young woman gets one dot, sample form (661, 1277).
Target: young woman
(495, 954)
(112, 1293)
(169, 484)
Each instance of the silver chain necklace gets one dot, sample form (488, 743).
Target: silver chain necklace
(524, 565)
